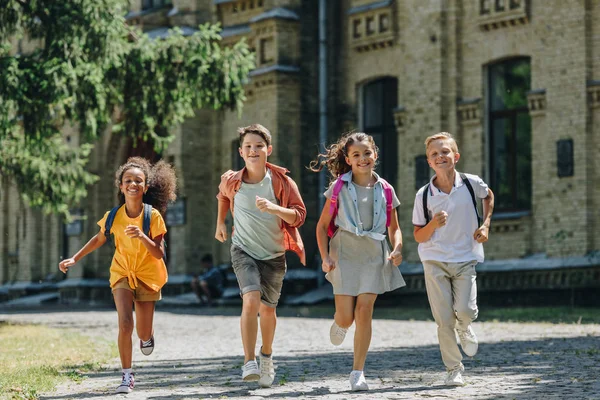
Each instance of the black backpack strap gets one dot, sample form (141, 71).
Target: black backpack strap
(147, 219)
(472, 192)
(425, 210)
(109, 222)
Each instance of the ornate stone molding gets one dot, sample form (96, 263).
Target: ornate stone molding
(593, 90)
(469, 111)
(494, 14)
(372, 26)
(536, 102)
(400, 119)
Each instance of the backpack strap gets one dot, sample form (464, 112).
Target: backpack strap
(147, 219)
(109, 222)
(337, 188)
(472, 192)
(333, 206)
(389, 199)
(425, 210)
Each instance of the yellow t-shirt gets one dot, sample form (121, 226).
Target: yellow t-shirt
(131, 259)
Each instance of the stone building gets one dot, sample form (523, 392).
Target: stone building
(516, 81)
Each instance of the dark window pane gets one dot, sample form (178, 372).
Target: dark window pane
(509, 83)
(523, 161)
(510, 134)
(501, 163)
(237, 162)
(421, 171)
(373, 105)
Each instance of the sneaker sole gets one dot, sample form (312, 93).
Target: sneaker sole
(123, 389)
(251, 378)
(146, 352)
(264, 385)
(470, 354)
(453, 384)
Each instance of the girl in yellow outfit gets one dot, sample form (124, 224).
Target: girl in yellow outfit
(138, 271)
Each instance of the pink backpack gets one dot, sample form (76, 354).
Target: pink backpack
(333, 208)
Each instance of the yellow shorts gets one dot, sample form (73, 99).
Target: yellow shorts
(141, 293)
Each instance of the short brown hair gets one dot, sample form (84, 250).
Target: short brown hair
(256, 129)
(443, 136)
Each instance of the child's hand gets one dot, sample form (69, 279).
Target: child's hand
(440, 219)
(396, 257)
(221, 232)
(481, 234)
(328, 264)
(265, 205)
(65, 264)
(133, 231)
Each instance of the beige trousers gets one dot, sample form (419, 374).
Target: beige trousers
(452, 294)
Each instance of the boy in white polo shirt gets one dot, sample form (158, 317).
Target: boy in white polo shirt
(450, 234)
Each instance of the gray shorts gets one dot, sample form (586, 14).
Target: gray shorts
(265, 276)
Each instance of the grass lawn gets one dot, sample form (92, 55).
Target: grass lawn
(554, 315)
(35, 358)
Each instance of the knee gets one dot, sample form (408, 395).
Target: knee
(251, 303)
(467, 314)
(126, 325)
(267, 312)
(344, 320)
(363, 312)
(194, 283)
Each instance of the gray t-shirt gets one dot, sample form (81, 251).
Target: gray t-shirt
(259, 234)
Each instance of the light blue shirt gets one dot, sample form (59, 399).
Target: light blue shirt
(349, 216)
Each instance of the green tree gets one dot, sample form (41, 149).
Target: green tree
(89, 64)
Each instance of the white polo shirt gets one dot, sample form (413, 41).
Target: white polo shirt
(454, 241)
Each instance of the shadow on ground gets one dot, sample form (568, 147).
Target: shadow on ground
(550, 368)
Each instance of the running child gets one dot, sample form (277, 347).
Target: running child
(268, 211)
(138, 270)
(450, 236)
(357, 259)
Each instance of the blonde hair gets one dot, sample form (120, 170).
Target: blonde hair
(442, 136)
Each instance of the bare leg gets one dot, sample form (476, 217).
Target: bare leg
(144, 317)
(268, 322)
(206, 291)
(344, 310)
(249, 323)
(197, 290)
(363, 315)
(124, 304)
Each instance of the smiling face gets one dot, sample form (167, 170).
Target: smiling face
(441, 155)
(133, 183)
(361, 156)
(255, 150)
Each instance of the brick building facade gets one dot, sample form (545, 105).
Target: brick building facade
(516, 81)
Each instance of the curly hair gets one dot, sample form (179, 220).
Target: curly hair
(160, 179)
(334, 158)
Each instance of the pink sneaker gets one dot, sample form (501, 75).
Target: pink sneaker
(127, 383)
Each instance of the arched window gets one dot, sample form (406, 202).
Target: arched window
(510, 134)
(378, 100)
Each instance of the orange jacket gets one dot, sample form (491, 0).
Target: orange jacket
(286, 192)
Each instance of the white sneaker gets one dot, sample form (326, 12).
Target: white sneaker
(250, 371)
(127, 383)
(454, 377)
(337, 334)
(267, 372)
(357, 381)
(468, 341)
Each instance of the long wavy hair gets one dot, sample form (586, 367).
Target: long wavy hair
(160, 179)
(334, 157)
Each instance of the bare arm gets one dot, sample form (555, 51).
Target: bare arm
(323, 239)
(482, 233)
(424, 233)
(395, 235)
(94, 243)
(221, 229)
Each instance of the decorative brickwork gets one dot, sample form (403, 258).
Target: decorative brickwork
(469, 111)
(536, 101)
(372, 26)
(494, 14)
(593, 91)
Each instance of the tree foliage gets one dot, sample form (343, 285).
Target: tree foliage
(88, 64)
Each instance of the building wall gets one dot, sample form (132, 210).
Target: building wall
(439, 51)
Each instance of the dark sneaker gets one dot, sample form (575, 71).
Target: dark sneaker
(147, 347)
(127, 383)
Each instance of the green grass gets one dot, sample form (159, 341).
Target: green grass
(34, 359)
(567, 315)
